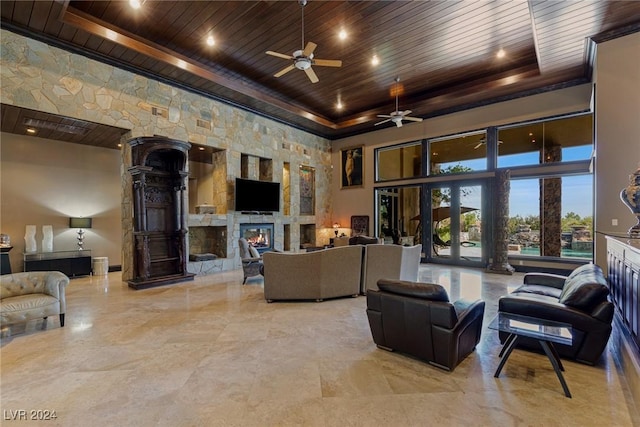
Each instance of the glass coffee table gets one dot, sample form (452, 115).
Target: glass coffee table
(547, 333)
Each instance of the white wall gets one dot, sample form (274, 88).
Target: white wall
(617, 112)
(44, 182)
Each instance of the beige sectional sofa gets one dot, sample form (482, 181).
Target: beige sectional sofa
(32, 295)
(392, 262)
(337, 272)
(328, 273)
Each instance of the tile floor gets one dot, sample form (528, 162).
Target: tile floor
(213, 353)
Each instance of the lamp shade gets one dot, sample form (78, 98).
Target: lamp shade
(79, 222)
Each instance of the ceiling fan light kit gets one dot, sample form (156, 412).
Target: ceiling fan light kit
(303, 59)
(397, 116)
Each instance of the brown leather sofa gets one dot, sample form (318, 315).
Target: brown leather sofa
(419, 320)
(579, 299)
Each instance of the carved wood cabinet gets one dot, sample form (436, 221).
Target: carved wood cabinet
(159, 177)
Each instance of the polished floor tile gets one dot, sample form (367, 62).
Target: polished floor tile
(213, 353)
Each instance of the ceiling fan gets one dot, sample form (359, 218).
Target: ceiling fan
(303, 59)
(482, 142)
(397, 116)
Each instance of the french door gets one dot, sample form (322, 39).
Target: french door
(458, 223)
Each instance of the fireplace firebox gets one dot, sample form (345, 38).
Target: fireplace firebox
(260, 236)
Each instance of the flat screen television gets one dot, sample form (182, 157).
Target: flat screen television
(257, 196)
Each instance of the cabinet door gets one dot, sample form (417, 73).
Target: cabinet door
(81, 266)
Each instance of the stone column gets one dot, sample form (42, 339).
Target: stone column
(551, 207)
(501, 187)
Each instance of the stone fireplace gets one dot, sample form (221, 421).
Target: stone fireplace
(208, 240)
(260, 236)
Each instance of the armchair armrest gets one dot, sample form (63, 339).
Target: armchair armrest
(467, 309)
(54, 285)
(545, 279)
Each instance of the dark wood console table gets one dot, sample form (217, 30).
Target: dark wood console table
(71, 263)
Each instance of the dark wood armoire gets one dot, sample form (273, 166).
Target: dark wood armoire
(159, 216)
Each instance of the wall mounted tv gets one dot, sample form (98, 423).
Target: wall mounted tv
(257, 196)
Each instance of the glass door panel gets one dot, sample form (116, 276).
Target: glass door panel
(470, 236)
(456, 223)
(398, 215)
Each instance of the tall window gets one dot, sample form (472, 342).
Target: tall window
(459, 153)
(400, 161)
(552, 217)
(565, 139)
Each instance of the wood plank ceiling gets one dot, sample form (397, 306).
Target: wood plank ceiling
(444, 52)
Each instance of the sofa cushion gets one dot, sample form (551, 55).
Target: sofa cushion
(539, 290)
(585, 288)
(584, 296)
(429, 291)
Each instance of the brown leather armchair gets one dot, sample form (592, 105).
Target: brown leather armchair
(418, 319)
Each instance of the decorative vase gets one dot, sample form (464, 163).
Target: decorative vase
(30, 239)
(630, 195)
(47, 238)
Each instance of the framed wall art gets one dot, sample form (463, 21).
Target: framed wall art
(352, 167)
(360, 225)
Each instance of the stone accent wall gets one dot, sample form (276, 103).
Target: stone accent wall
(44, 78)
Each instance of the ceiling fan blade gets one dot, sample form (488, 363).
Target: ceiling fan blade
(312, 75)
(413, 119)
(384, 121)
(385, 115)
(327, 62)
(309, 48)
(399, 123)
(284, 71)
(278, 55)
(405, 113)
(480, 144)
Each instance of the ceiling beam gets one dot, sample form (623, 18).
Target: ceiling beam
(94, 26)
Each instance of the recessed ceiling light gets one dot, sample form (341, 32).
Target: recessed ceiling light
(31, 131)
(135, 4)
(342, 34)
(501, 53)
(339, 105)
(375, 60)
(211, 41)
(119, 145)
(201, 148)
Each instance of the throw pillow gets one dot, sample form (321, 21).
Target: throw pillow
(254, 252)
(429, 291)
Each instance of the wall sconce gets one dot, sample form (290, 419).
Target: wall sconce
(335, 228)
(80, 223)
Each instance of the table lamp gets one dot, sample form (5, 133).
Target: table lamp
(80, 223)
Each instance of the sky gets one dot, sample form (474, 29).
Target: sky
(577, 191)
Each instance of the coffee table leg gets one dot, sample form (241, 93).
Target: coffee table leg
(507, 349)
(551, 354)
(510, 338)
(556, 355)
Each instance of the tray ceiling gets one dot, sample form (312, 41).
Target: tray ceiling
(444, 52)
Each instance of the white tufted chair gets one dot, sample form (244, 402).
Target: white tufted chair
(32, 295)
